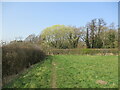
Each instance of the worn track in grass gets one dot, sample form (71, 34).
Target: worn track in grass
(53, 75)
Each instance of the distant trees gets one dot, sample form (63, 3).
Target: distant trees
(100, 36)
(61, 36)
(111, 38)
(87, 39)
(94, 35)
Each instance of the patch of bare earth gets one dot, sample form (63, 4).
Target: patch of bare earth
(53, 83)
(101, 82)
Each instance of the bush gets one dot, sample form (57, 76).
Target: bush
(85, 51)
(18, 56)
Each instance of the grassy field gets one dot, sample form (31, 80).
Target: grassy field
(70, 71)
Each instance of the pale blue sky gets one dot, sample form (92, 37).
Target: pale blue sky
(23, 19)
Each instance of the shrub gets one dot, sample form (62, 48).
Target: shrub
(84, 51)
(18, 56)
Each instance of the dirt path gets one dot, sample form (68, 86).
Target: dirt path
(53, 75)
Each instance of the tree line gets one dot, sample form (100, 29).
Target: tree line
(96, 34)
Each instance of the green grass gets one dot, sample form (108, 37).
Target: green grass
(84, 71)
(71, 71)
(37, 76)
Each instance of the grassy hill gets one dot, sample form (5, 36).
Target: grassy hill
(70, 71)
